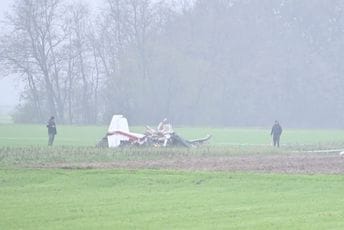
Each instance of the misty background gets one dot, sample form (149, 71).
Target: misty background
(8, 94)
(219, 62)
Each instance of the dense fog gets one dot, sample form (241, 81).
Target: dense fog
(214, 63)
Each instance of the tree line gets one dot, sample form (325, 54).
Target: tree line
(219, 62)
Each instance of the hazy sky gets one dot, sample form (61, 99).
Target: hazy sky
(9, 89)
(8, 93)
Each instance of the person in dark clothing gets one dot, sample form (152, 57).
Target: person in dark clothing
(51, 130)
(276, 132)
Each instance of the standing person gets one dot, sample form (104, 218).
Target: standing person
(276, 132)
(51, 130)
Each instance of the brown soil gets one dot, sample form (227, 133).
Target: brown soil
(300, 163)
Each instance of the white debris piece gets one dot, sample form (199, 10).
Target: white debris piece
(118, 123)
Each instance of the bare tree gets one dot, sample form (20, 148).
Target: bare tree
(32, 48)
(81, 57)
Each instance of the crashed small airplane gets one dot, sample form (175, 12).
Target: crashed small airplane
(118, 135)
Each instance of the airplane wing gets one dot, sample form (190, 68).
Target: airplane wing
(129, 135)
(201, 140)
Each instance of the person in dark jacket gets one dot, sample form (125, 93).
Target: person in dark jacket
(51, 130)
(276, 132)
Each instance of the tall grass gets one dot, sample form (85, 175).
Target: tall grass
(24, 156)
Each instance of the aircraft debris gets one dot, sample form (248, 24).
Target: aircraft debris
(118, 135)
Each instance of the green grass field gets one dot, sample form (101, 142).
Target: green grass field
(6, 119)
(160, 199)
(115, 199)
(28, 135)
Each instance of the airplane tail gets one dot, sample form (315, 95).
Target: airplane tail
(118, 123)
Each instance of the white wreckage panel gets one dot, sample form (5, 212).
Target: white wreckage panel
(118, 132)
(118, 122)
